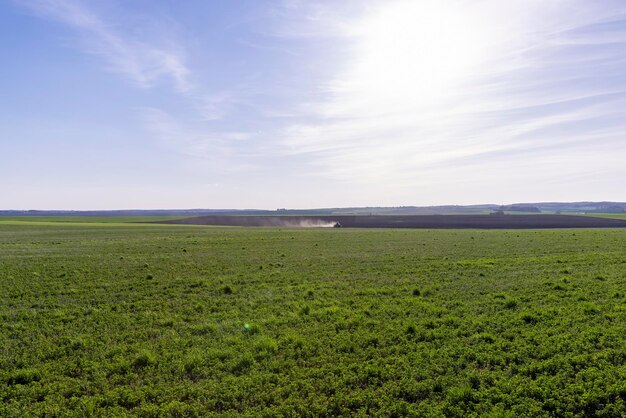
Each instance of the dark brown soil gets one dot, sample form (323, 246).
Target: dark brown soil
(412, 221)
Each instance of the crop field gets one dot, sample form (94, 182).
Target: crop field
(171, 320)
(609, 215)
(86, 219)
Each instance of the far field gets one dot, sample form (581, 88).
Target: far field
(163, 320)
(493, 221)
(87, 219)
(609, 215)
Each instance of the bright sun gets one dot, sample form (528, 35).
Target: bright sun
(415, 51)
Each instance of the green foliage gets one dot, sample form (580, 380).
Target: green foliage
(85, 219)
(156, 321)
(144, 359)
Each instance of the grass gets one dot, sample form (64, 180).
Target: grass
(194, 321)
(86, 219)
(608, 215)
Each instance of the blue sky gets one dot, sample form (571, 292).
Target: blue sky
(266, 104)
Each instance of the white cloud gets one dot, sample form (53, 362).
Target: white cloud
(224, 150)
(434, 85)
(140, 60)
(146, 62)
(217, 106)
(391, 97)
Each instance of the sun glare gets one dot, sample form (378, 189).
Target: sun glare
(412, 52)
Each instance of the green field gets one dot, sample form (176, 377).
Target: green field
(180, 321)
(86, 219)
(608, 215)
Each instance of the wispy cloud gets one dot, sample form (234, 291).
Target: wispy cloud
(432, 87)
(140, 60)
(392, 97)
(225, 151)
(148, 61)
(217, 106)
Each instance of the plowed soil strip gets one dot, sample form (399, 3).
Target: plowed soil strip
(414, 221)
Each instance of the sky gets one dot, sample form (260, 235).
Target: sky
(145, 104)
